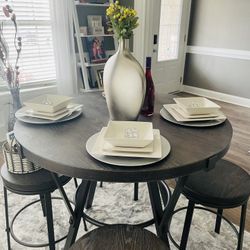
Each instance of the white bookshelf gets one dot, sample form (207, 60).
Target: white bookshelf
(92, 4)
(105, 35)
(87, 68)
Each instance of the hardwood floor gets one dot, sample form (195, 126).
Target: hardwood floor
(239, 151)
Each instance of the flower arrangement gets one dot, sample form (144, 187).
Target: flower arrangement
(9, 73)
(122, 20)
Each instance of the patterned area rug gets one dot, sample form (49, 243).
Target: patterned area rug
(113, 203)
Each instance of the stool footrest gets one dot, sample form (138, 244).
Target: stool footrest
(201, 208)
(35, 245)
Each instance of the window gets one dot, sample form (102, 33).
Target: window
(37, 65)
(169, 33)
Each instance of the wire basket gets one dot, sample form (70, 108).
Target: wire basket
(14, 159)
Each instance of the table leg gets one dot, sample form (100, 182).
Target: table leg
(170, 207)
(80, 200)
(156, 204)
(63, 194)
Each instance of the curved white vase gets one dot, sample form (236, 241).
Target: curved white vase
(124, 84)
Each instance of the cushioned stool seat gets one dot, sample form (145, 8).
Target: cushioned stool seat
(119, 237)
(32, 183)
(225, 186)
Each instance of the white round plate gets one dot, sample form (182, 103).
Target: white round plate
(201, 124)
(127, 161)
(33, 120)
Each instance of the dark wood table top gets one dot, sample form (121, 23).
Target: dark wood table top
(61, 147)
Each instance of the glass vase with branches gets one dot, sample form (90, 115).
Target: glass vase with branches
(10, 72)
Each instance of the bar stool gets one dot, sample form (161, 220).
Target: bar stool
(36, 183)
(225, 186)
(119, 237)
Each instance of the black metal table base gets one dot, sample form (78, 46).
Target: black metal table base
(162, 207)
(165, 196)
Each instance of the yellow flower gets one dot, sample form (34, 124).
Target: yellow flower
(123, 19)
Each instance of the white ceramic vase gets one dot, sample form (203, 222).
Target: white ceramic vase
(124, 84)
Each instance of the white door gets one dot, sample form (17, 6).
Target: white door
(169, 29)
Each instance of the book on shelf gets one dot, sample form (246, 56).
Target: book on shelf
(96, 30)
(94, 20)
(84, 30)
(95, 25)
(99, 77)
(95, 47)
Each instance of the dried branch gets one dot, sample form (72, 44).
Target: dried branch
(9, 73)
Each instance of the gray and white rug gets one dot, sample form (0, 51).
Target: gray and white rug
(113, 203)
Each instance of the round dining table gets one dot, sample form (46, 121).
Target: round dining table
(61, 149)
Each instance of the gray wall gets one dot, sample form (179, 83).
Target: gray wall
(219, 24)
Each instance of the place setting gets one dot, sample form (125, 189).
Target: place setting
(128, 143)
(193, 112)
(49, 109)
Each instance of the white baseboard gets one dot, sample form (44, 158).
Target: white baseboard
(241, 101)
(221, 52)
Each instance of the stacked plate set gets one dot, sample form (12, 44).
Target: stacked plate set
(124, 139)
(193, 111)
(48, 109)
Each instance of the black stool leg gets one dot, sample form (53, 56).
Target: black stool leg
(136, 188)
(218, 220)
(242, 226)
(101, 184)
(43, 204)
(7, 216)
(187, 225)
(76, 183)
(49, 215)
(165, 199)
(91, 194)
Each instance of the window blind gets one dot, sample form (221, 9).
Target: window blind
(37, 65)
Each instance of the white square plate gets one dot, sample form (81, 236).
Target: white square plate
(147, 149)
(48, 103)
(197, 105)
(185, 115)
(129, 134)
(178, 117)
(98, 148)
(26, 111)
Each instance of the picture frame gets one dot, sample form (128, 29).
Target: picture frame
(95, 47)
(99, 78)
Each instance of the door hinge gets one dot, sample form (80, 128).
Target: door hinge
(181, 79)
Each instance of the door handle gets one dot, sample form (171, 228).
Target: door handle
(155, 39)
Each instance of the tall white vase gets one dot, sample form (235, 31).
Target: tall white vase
(124, 84)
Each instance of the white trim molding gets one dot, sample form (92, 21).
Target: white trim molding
(241, 101)
(140, 31)
(220, 52)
